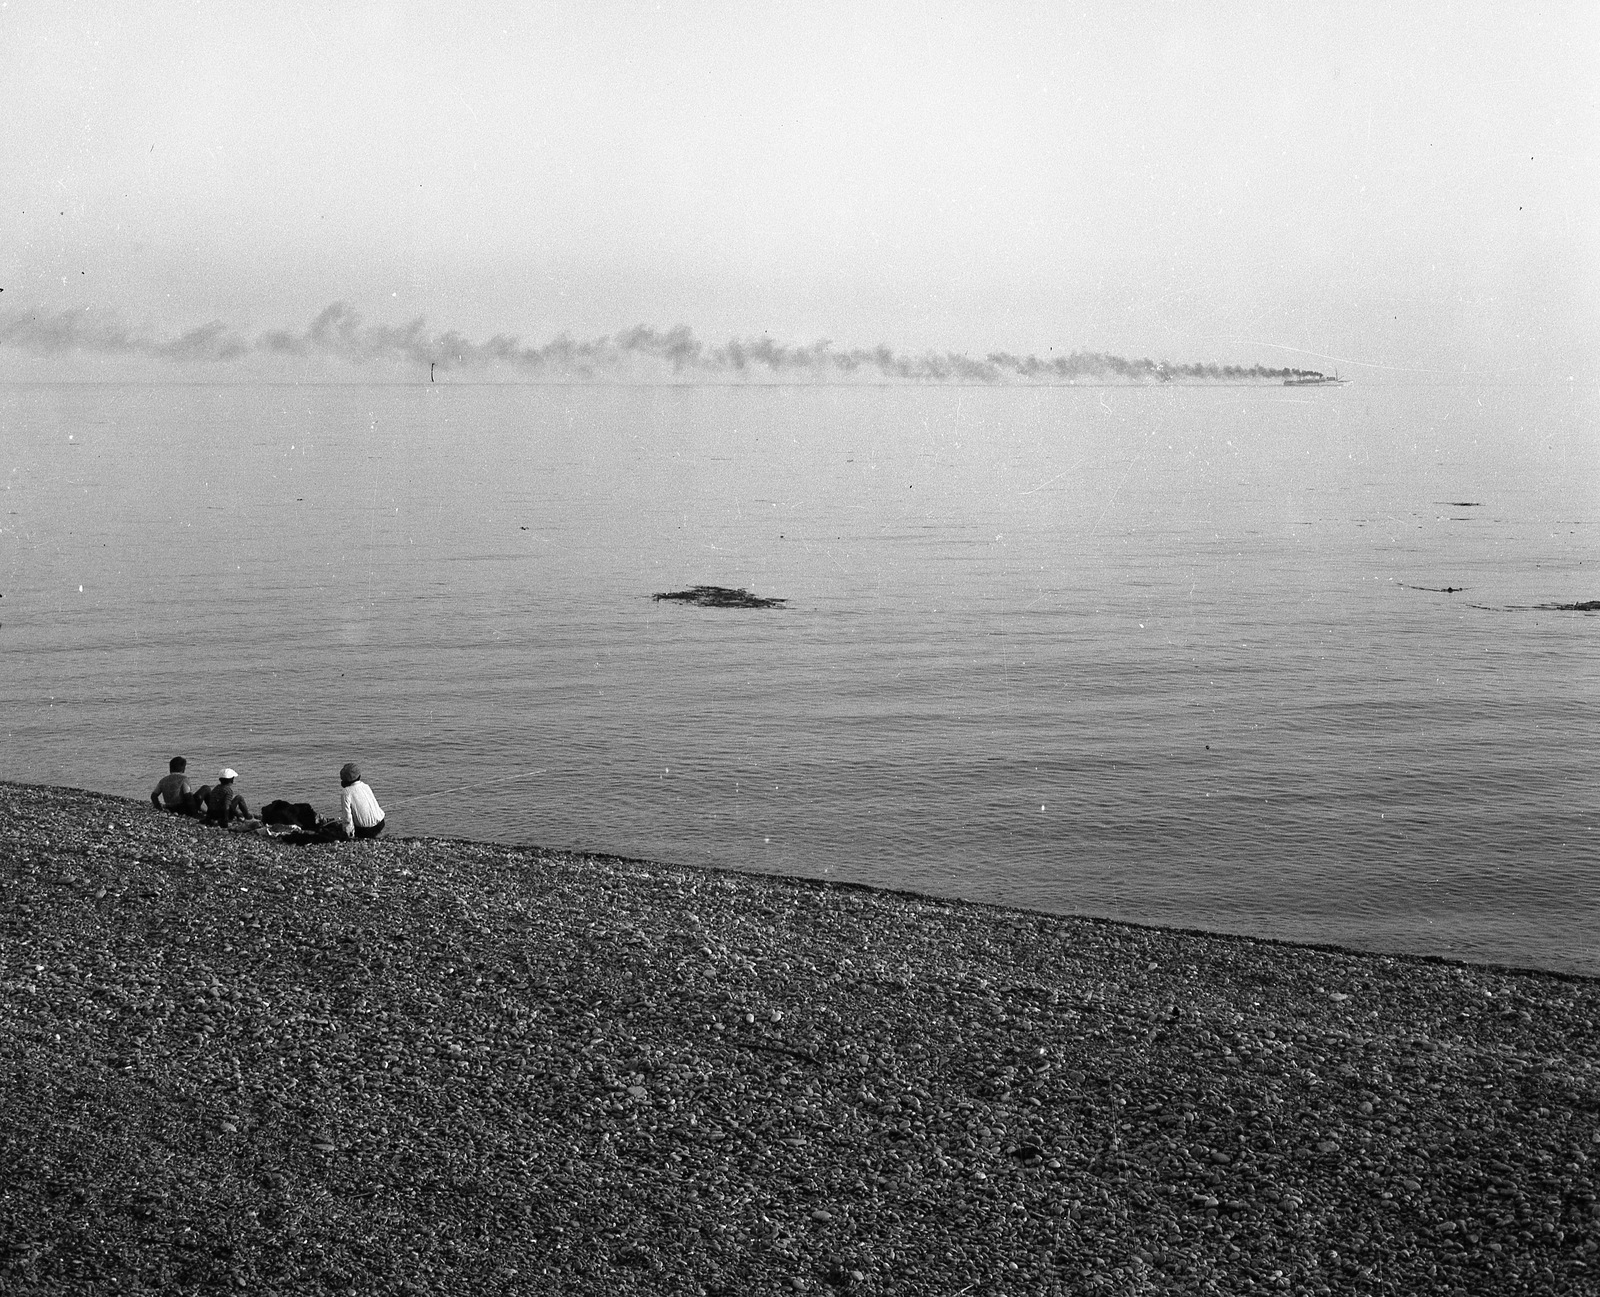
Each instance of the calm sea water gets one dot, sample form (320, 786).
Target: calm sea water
(1179, 655)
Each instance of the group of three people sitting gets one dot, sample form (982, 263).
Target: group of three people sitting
(221, 804)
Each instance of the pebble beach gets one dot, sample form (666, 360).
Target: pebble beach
(424, 1066)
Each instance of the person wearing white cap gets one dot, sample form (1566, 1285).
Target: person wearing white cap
(220, 803)
(363, 817)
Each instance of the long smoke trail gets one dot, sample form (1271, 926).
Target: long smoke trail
(636, 354)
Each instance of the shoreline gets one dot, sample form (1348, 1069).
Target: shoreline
(430, 1065)
(934, 898)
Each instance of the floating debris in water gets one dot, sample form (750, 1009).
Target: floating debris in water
(716, 596)
(1583, 605)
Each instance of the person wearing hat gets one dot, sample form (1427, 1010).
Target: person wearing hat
(363, 817)
(173, 793)
(220, 803)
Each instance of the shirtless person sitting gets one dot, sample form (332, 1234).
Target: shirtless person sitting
(174, 792)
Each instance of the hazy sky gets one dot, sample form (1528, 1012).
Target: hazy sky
(1403, 185)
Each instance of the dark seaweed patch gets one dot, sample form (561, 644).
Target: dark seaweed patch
(716, 596)
(1585, 605)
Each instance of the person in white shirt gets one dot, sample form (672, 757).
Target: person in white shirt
(363, 817)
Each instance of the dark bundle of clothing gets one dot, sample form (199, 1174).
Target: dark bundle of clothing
(301, 820)
(301, 814)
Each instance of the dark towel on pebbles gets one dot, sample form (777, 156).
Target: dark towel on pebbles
(301, 814)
